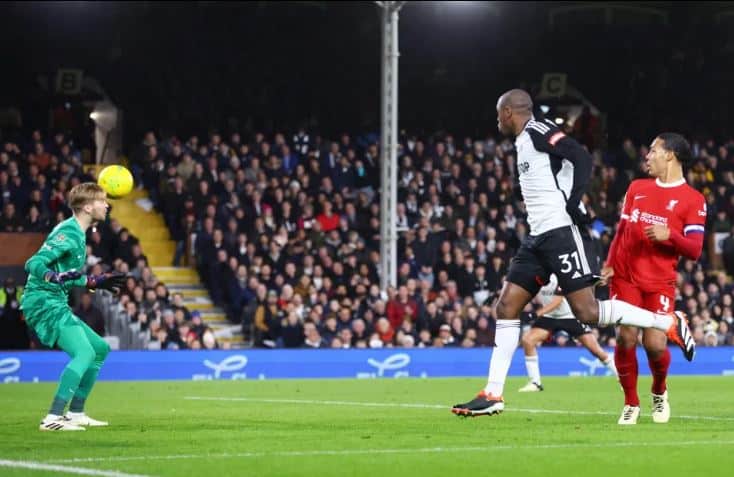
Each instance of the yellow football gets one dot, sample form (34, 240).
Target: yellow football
(116, 180)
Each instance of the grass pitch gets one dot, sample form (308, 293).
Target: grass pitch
(385, 427)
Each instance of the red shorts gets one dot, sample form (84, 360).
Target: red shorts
(660, 301)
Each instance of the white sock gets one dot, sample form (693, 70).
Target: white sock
(505, 339)
(531, 363)
(609, 363)
(617, 312)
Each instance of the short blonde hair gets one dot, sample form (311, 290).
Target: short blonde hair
(84, 193)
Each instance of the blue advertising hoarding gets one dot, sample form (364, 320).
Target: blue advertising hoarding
(41, 366)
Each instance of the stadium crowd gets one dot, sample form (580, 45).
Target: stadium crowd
(285, 234)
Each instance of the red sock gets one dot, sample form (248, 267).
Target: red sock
(626, 361)
(659, 370)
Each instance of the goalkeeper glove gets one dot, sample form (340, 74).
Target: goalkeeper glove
(113, 282)
(60, 278)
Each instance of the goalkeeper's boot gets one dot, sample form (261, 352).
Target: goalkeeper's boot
(58, 423)
(81, 419)
(660, 408)
(629, 415)
(680, 334)
(531, 387)
(482, 405)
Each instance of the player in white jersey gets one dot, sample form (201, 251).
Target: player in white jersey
(554, 172)
(555, 315)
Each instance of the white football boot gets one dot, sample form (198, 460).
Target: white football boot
(629, 415)
(660, 408)
(53, 422)
(531, 387)
(81, 419)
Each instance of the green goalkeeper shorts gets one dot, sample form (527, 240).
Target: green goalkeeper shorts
(47, 317)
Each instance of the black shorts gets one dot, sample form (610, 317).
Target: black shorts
(560, 251)
(571, 326)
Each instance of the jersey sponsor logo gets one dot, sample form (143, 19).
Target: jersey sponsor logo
(647, 218)
(556, 137)
(671, 205)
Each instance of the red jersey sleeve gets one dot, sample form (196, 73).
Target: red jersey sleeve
(627, 204)
(690, 243)
(695, 215)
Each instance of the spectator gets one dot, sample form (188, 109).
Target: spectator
(90, 314)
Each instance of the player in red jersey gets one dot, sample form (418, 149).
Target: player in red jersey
(663, 218)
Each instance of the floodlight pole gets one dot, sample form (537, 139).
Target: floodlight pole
(389, 146)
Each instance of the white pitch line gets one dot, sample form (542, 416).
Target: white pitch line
(25, 464)
(429, 406)
(420, 450)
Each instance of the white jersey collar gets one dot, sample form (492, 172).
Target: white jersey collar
(668, 185)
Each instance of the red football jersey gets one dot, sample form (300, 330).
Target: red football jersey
(647, 264)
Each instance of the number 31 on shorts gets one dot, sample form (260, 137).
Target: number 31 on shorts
(567, 265)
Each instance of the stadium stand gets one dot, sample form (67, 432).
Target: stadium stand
(283, 232)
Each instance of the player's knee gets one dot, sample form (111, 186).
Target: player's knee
(527, 341)
(654, 347)
(586, 313)
(626, 339)
(654, 354)
(85, 355)
(584, 306)
(504, 310)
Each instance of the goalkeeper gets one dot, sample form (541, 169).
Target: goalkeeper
(52, 272)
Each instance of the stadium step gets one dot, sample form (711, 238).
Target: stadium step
(195, 297)
(135, 212)
(177, 273)
(188, 292)
(199, 304)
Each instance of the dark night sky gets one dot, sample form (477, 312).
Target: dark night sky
(186, 67)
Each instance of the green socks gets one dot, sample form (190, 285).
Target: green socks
(77, 404)
(67, 387)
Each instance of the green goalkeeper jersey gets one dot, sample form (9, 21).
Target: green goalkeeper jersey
(64, 249)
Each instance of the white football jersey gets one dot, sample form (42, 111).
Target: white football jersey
(546, 177)
(546, 295)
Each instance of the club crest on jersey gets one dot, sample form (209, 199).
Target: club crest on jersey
(671, 205)
(60, 237)
(523, 167)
